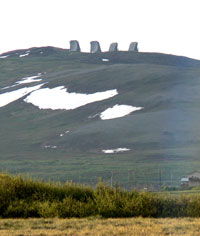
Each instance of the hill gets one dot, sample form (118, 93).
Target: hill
(65, 133)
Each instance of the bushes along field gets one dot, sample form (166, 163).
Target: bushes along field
(25, 197)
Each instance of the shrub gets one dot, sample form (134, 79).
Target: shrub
(20, 197)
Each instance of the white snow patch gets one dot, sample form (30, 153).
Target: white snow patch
(110, 151)
(25, 80)
(3, 57)
(66, 132)
(9, 87)
(49, 146)
(59, 98)
(105, 59)
(24, 55)
(6, 98)
(91, 117)
(118, 111)
(41, 52)
(30, 79)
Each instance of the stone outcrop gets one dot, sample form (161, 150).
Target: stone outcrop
(133, 47)
(113, 47)
(74, 46)
(95, 47)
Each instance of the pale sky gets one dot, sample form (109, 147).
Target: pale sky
(167, 26)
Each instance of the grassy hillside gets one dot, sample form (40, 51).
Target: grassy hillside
(163, 138)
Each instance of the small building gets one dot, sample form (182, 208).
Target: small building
(184, 181)
(191, 180)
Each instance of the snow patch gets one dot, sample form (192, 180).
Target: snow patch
(66, 132)
(91, 117)
(110, 151)
(105, 59)
(49, 146)
(8, 97)
(118, 111)
(3, 57)
(9, 87)
(26, 80)
(24, 55)
(30, 79)
(59, 98)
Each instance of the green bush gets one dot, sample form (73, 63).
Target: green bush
(21, 209)
(24, 197)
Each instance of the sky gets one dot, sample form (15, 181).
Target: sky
(167, 26)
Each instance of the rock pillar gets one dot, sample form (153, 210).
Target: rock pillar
(133, 47)
(113, 47)
(74, 46)
(95, 47)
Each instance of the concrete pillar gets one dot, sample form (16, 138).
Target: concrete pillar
(74, 46)
(95, 47)
(113, 47)
(133, 47)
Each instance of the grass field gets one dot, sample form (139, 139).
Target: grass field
(98, 227)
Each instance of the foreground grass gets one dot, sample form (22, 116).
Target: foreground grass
(98, 227)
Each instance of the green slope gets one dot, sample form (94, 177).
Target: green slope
(164, 137)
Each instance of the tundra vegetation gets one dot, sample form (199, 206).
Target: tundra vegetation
(162, 137)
